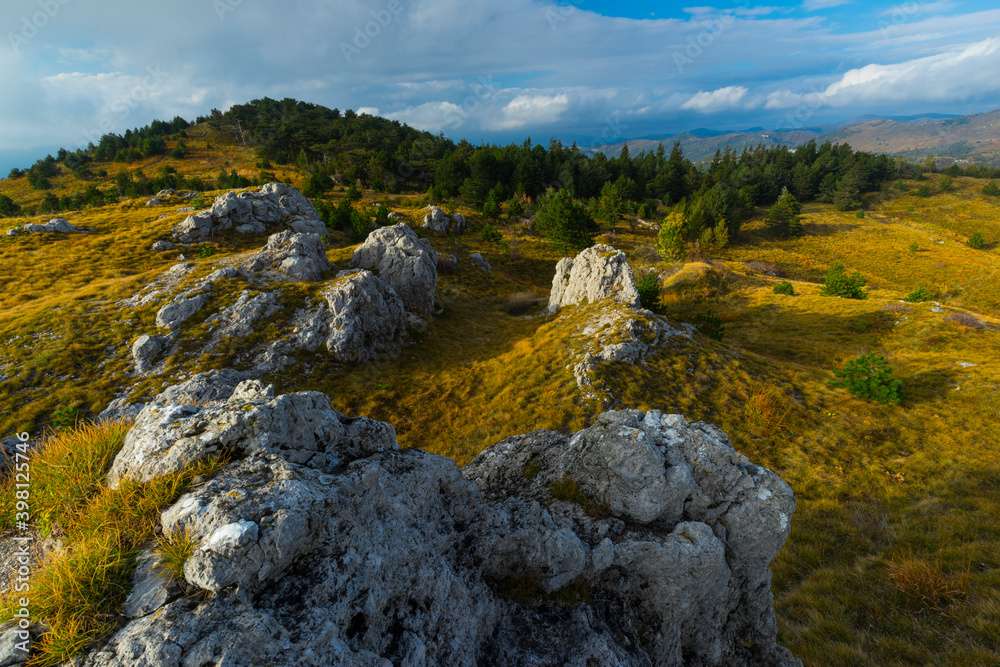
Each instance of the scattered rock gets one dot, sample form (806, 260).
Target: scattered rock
(170, 196)
(251, 212)
(440, 222)
(480, 262)
(180, 309)
(53, 226)
(162, 245)
(447, 263)
(292, 255)
(323, 543)
(147, 351)
(404, 261)
(599, 272)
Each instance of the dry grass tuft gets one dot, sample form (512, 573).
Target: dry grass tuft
(173, 551)
(925, 582)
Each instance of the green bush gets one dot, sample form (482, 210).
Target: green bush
(491, 234)
(670, 239)
(924, 191)
(991, 189)
(564, 220)
(785, 287)
(977, 242)
(8, 207)
(838, 283)
(919, 295)
(648, 286)
(870, 377)
(205, 251)
(914, 247)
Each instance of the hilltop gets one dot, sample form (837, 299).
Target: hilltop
(894, 540)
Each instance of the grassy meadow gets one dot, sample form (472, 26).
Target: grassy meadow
(894, 557)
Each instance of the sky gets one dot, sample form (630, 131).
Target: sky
(593, 71)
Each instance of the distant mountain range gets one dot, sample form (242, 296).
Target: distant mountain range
(974, 139)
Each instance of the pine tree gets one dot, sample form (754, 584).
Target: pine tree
(562, 219)
(785, 216)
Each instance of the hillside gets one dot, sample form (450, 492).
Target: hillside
(893, 553)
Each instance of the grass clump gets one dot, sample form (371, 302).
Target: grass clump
(567, 490)
(648, 286)
(173, 551)
(837, 282)
(991, 189)
(870, 377)
(919, 295)
(785, 288)
(78, 590)
(925, 583)
(978, 242)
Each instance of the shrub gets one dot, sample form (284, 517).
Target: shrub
(838, 283)
(785, 216)
(648, 286)
(924, 191)
(670, 239)
(785, 287)
(991, 189)
(977, 242)
(565, 221)
(860, 214)
(65, 416)
(870, 377)
(491, 234)
(8, 207)
(919, 295)
(205, 251)
(914, 247)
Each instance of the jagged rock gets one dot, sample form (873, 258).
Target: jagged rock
(291, 254)
(120, 408)
(599, 272)
(324, 544)
(164, 283)
(53, 226)
(147, 351)
(440, 222)
(362, 318)
(180, 309)
(212, 413)
(238, 320)
(151, 588)
(251, 212)
(480, 262)
(404, 261)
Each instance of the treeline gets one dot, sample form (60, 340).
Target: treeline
(131, 146)
(334, 146)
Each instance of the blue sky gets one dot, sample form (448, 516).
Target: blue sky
(590, 70)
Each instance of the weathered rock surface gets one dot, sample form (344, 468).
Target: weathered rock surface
(170, 196)
(251, 212)
(289, 254)
(480, 262)
(440, 222)
(164, 283)
(147, 350)
(238, 319)
(53, 226)
(324, 544)
(599, 272)
(404, 261)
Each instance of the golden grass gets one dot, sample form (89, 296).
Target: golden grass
(78, 589)
(173, 551)
(896, 503)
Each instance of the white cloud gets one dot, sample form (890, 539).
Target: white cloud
(817, 5)
(368, 111)
(716, 100)
(911, 9)
(431, 116)
(963, 73)
(525, 110)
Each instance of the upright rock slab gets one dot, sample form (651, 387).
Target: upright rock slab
(599, 272)
(642, 540)
(406, 262)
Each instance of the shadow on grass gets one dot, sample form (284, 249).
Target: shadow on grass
(927, 386)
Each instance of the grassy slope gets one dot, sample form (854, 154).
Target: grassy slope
(894, 553)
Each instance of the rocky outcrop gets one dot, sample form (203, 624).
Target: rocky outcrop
(404, 261)
(53, 226)
(147, 350)
(252, 212)
(170, 196)
(642, 540)
(293, 255)
(599, 272)
(440, 222)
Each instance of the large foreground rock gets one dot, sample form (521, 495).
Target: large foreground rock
(642, 540)
(599, 272)
(252, 212)
(404, 261)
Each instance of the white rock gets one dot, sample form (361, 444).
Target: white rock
(404, 261)
(599, 272)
